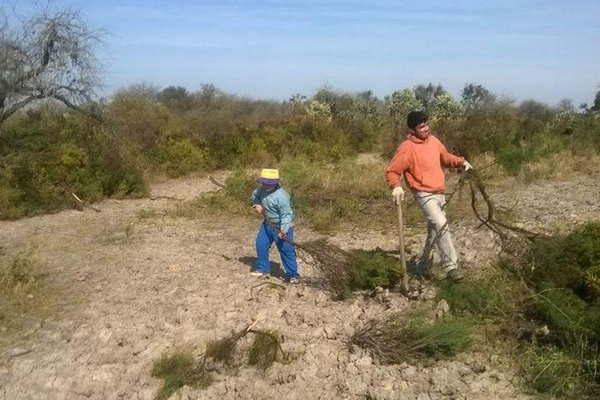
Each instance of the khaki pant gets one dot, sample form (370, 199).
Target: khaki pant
(438, 234)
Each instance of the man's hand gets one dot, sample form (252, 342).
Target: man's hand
(258, 208)
(398, 195)
(466, 166)
(282, 235)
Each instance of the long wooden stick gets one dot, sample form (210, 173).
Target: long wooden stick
(404, 284)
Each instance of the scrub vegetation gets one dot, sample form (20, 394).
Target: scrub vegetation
(49, 151)
(547, 307)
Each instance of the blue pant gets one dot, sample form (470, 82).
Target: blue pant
(265, 238)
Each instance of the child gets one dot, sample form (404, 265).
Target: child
(271, 201)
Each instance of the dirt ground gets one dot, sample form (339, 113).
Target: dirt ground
(132, 283)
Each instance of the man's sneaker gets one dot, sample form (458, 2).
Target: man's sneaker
(259, 274)
(293, 281)
(427, 274)
(455, 275)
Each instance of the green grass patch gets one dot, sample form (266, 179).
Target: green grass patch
(19, 275)
(552, 371)
(146, 213)
(26, 296)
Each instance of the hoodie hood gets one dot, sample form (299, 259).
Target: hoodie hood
(415, 139)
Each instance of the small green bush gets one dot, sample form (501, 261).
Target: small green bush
(477, 297)
(567, 261)
(369, 269)
(177, 370)
(563, 311)
(512, 158)
(397, 338)
(240, 185)
(222, 349)
(266, 349)
(180, 157)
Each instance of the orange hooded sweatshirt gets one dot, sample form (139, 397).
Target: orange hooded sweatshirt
(421, 162)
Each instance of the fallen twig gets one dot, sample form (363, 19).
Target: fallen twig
(83, 204)
(165, 197)
(214, 181)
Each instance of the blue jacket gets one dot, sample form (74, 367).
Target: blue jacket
(277, 207)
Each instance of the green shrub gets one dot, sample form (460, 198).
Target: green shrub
(177, 370)
(240, 185)
(397, 339)
(566, 261)
(47, 158)
(483, 297)
(180, 157)
(222, 349)
(266, 349)
(562, 270)
(369, 269)
(562, 310)
(512, 158)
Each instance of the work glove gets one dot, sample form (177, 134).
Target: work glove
(398, 195)
(466, 166)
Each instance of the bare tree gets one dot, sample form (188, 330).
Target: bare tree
(47, 56)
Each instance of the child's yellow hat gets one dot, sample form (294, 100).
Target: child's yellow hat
(268, 176)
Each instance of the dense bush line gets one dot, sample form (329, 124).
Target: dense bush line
(548, 308)
(47, 152)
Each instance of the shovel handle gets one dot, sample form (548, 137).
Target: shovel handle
(404, 283)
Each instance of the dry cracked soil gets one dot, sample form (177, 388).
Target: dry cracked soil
(131, 282)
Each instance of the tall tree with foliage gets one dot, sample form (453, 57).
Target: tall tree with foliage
(401, 103)
(596, 106)
(475, 97)
(426, 94)
(47, 56)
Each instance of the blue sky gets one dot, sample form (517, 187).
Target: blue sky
(542, 50)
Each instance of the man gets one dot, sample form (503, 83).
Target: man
(421, 159)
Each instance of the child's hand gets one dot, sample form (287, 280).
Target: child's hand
(258, 208)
